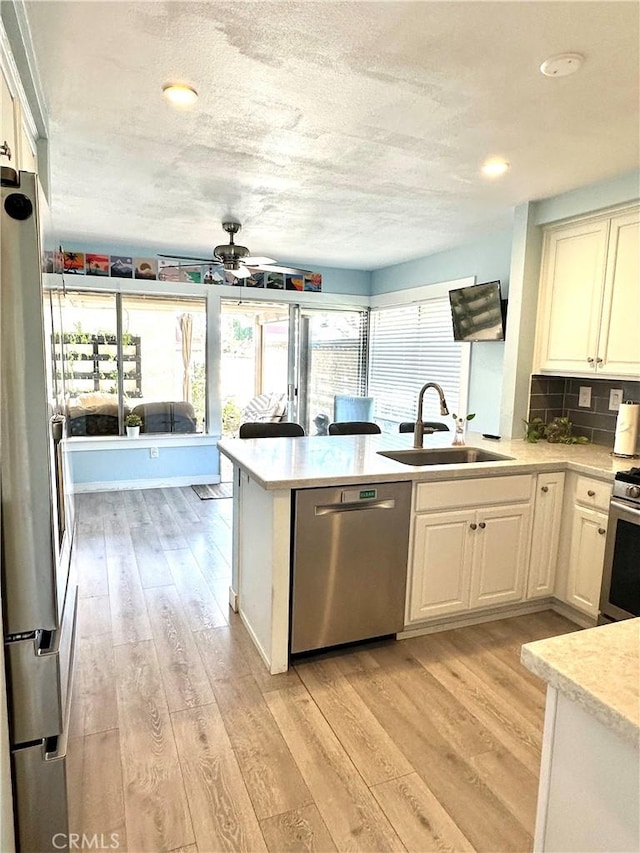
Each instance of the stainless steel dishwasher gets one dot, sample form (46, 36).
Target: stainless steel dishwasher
(350, 549)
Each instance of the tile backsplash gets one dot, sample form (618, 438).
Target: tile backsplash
(557, 397)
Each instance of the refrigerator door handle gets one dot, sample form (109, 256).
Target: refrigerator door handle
(46, 643)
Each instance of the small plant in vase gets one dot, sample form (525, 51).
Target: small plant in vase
(461, 423)
(133, 424)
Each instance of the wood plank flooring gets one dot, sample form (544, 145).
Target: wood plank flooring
(180, 740)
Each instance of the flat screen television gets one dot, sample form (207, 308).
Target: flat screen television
(478, 312)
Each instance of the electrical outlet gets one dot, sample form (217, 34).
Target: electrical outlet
(153, 452)
(615, 398)
(584, 399)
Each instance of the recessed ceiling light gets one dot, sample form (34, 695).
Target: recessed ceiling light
(495, 167)
(179, 94)
(562, 65)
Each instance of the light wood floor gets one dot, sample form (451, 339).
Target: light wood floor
(181, 741)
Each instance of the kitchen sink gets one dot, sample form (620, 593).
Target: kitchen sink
(443, 455)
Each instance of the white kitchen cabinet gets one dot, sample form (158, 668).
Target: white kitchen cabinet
(590, 297)
(8, 133)
(473, 555)
(441, 570)
(500, 553)
(545, 535)
(586, 559)
(619, 345)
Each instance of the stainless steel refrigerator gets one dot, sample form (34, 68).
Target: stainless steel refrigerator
(38, 594)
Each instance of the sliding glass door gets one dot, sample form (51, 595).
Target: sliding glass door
(287, 361)
(254, 362)
(332, 360)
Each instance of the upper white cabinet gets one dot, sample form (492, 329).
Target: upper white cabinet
(8, 136)
(619, 344)
(590, 297)
(17, 129)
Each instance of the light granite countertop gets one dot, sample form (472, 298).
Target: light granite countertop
(598, 668)
(285, 463)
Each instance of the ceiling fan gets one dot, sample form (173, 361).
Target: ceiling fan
(236, 259)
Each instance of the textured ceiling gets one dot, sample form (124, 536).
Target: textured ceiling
(346, 134)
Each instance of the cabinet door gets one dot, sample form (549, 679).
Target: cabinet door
(501, 551)
(586, 559)
(619, 346)
(8, 126)
(571, 297)
(441, 565)
(545, 536)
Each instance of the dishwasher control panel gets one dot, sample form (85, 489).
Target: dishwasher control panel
(352, 495)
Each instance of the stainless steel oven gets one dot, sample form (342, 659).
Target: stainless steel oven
(620, 595)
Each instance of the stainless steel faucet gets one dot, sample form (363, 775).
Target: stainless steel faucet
(418, 431)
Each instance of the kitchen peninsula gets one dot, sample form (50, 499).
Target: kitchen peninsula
(267, 472)
(588, 796)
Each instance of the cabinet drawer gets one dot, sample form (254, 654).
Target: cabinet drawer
(472, 493)
(593, 493)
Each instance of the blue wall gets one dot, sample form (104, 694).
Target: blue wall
(594, 197)
(488, 259)
(122, 464)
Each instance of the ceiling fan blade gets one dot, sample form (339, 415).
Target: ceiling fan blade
(288, 270)
(257, 261)
(241, 272)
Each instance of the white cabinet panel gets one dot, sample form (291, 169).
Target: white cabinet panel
(586, 559)
(450, 494)
(8, 126)
(573, 275)
(545, 535)
(590, 297)
(619, 345)
(441, 565)
(499, 555)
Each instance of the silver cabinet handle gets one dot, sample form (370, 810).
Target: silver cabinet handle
(544, 489)
(590, 360)
(598, 361)
(482, 525)
(473, 526)
(591, 493)
(601, 531)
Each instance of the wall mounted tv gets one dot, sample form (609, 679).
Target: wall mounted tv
(478, 312)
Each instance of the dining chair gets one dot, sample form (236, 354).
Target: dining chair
(435, 426)
(354, 428)
(281, 429)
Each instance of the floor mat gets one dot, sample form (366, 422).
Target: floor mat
(210, 493)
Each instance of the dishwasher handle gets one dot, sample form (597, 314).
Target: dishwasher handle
(354, 506)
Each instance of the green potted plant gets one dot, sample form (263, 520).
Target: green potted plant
(133, 423)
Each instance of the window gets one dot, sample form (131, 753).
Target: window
(132, 354)
(411, 345)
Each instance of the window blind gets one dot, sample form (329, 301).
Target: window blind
(411, 345)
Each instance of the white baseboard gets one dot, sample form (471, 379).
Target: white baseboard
(156, 483)
(505, 611)
(573, 615)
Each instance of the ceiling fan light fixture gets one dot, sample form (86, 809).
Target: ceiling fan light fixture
(179, 94)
